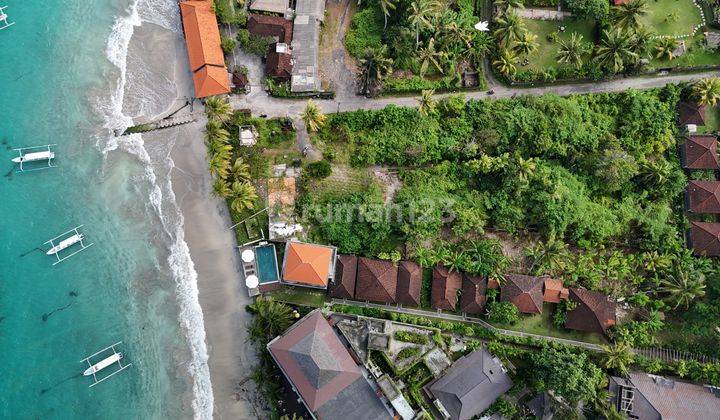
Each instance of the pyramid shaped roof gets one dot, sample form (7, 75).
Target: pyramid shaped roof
(705, 239)
(376, 280)
(704, 196)
(700, 152)
(307, 264)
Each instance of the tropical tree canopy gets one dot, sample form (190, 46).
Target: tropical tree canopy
(707, 91)
(313, 116)
(573, 50)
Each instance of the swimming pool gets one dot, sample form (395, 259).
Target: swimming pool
(266, 260)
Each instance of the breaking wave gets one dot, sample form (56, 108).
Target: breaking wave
(161, 196)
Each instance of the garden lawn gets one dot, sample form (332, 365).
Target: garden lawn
(543, 325)
(659, 21)
(696, 55)
(546, 54)
(300, 296)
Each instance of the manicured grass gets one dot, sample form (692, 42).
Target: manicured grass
(543, 325)
(546, 54)
(696, 55)
(300, 296)
(658, 19)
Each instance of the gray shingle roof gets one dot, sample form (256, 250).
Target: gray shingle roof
(471, 384)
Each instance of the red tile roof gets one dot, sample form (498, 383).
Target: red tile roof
(473, 298)
(211, 80)
(690, 113)
(409, 283)
(704, 196)
(445, 285)
(700, 152)
(705, 239)
(202, 37)
(343, 285)
(523, 291)
(554, 291)
(314, 359)
(274, 26)
(278, 65)
(307, 264)
(376, 280)
(594, 313)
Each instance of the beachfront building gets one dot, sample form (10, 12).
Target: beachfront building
(343, 284)
(322, 371)
(525, 292)
(309, 14)
(207, 62)
(469, 386)
(703, 197)
(594, 312)
(308, 265)
(650, 397)
(473, 297)
(704, 239)
(376, 280)
(445, 286)
(700, 152)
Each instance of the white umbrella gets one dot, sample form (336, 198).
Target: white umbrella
(248, 256)
(251, 281)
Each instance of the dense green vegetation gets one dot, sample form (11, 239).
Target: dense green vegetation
(430, 42)
(593, 183)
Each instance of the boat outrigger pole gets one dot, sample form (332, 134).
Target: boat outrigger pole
(32, 154)
(67, 239)
(111, 359)
(3, 19)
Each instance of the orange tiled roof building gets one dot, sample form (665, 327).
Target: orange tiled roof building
(308, 265)
(202, 36)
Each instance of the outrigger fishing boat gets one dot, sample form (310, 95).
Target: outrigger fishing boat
(34, 154)
(114, 358)
(68, 241)
(3, 19)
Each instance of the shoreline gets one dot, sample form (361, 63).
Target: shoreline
(222, 295)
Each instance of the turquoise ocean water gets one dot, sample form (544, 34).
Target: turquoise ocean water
(60, 66)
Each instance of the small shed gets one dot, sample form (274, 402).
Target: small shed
(248, 135)
(271, 6)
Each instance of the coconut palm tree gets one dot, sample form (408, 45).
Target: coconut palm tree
(430, 55)
(707, 91)
(219, 165)
(480, 46)
(627, 15)
(682, 288)
(240, 170)
(271, 319)
(526, 44)
(505, 5)
(419, 17)
(243, 196)
(214, 131)
(619, 357)
(426, 103)
(642, 41)
(386, 6)
(218, 108)
(615, 50)
(573, 50)
(664, 48)
(506, 62)
(509, 28)
(221, 188)
(374, 67)
(313, 116)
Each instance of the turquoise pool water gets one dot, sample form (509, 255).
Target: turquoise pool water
(267, 263)
(60, 68)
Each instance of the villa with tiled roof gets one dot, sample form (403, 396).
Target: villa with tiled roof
(700, 152)
(309, 265)
(594, 312)
(525, 292)
(376, 280)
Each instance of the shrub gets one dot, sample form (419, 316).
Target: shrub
(411, 337)
(503, 313)
(365, 31)
(408, 352)
(589, 9)
(227, 44)
(252, 44)
(318, 170)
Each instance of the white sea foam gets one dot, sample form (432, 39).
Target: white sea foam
(161, 196)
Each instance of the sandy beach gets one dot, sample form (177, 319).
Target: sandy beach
(205, 218)
(222, 295)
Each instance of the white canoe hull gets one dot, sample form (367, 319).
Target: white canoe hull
(97, 367)
(34, 156)
(66, 243)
